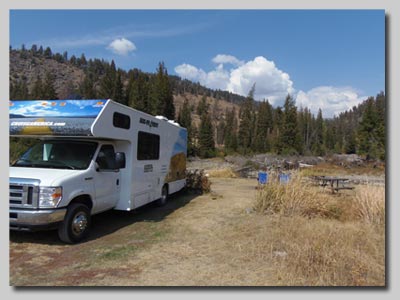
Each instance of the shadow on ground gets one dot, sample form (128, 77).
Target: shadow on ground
(111, 221)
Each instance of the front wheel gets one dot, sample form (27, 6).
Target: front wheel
(76, 224)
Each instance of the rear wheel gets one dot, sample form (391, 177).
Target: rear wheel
(164, 196)
(76, 224)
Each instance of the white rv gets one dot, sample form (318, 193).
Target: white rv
(90, 156)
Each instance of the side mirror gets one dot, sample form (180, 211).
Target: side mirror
(120, 160)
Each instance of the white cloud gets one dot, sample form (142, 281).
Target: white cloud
(190, 72)
(121, 46)
(271, 83)
(216, 79)
(227, 59)
(331, 100)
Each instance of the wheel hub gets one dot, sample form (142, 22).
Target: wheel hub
(79, 224)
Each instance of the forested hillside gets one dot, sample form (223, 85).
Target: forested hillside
(218, 122)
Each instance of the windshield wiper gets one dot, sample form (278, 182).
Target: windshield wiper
(64, 164)
(24, 162)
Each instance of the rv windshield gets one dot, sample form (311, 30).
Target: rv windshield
(74, 155)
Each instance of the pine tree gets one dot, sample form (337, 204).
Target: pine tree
(367, 135)
(220, 136)
(263, 126)
(40, 51)
(87, 87)
(82, 60)
(329, 136)
(306, 124)
(161, 97)
(68, 91)
(23, 53)
(65, 56)
(34, 50)
(380, 130)
(12, 91)
(290, 138)
(215, 110)
(49, 91)
(277, 130)
(246, 125)
(48, 53)
(318, 141)
(37, 89)
(230, 134)
(72, 60)
(138, 92)
(107, 83)
(206, 137)
(58, 58)
(185, 120)
(118, 93)
(19, 91)
(202, 106)
(168, 108)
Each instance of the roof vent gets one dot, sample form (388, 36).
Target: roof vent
(162, 118)
(174, 123)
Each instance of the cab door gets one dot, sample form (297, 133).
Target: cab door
(107, 179)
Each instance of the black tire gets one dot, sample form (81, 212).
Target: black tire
(164, 196)
(76, 224)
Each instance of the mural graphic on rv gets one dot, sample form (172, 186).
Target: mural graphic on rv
(53, 117)
(177, 164)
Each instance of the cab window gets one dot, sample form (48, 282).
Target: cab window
(106, 158)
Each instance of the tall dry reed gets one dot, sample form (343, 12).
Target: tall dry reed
(368, 204)
(297, 197)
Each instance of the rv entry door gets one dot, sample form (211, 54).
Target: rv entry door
(107, 179)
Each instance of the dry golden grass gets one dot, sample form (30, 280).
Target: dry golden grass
(297, 197)
(301, 198)
(222, 173)
(321, 252)
(369, 204)
(321, 239)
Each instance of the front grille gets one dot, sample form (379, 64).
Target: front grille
(24, 193)
(16, 194)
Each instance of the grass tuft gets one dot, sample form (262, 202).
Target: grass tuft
(369, 204)
(297, 197)
(118, 252)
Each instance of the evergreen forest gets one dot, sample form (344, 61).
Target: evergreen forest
(248, 127)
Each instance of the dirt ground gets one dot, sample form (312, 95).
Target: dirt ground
(188, 242)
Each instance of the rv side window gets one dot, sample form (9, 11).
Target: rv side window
(148, 146)
(121, 121)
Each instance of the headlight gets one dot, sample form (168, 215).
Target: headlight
(49, 197)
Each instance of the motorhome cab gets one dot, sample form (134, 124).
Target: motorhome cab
(90, 156)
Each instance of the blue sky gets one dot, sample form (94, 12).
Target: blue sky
(329, 59)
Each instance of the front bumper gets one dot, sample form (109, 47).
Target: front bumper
(35, 219)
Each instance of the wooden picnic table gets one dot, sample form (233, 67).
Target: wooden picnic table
(335, 183)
